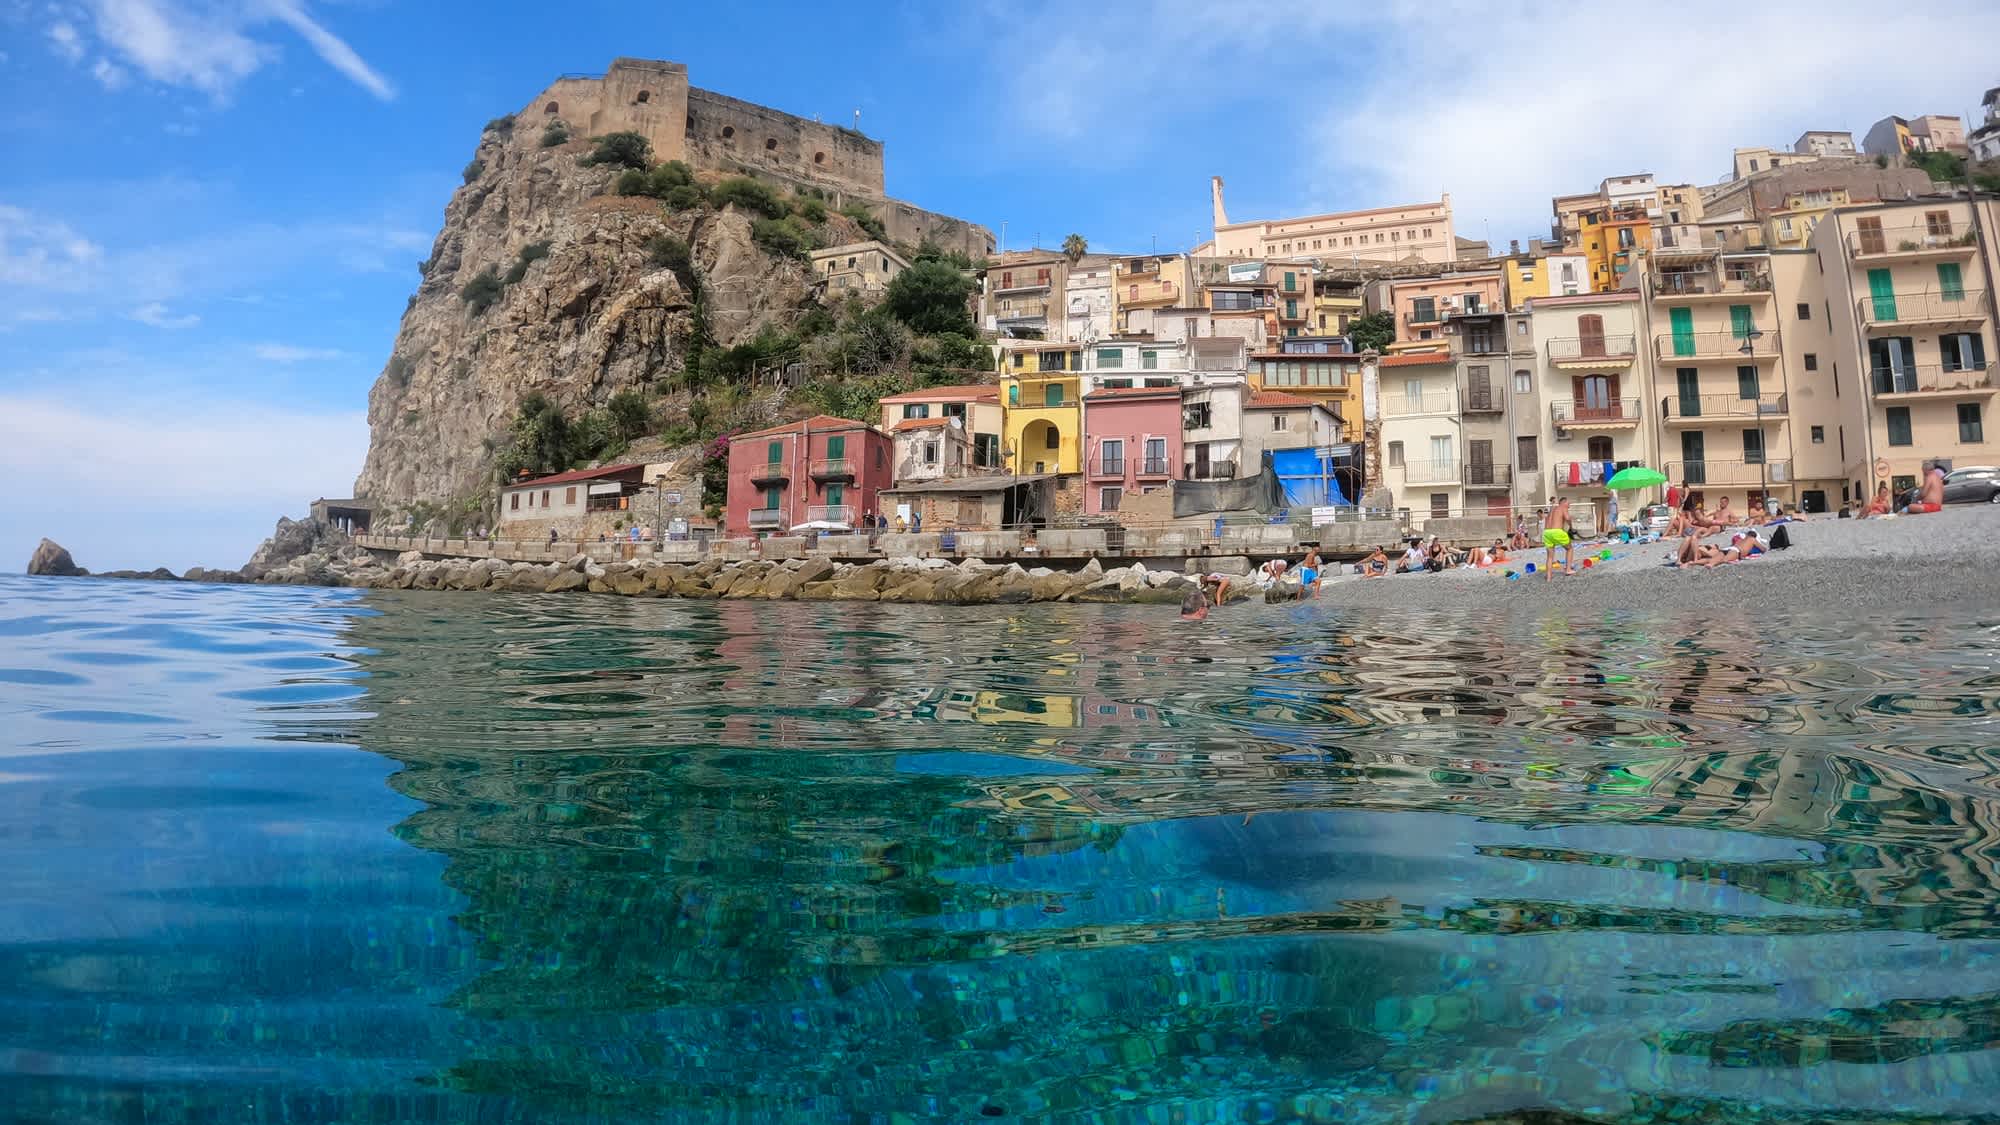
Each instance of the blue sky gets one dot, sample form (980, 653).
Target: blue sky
(211, 210)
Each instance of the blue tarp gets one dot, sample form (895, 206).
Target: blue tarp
(1307, 478)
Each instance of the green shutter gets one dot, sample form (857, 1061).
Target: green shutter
(1013, 394)
(771, 497)
(836, 447)
(1291, 282)
(1882, 291)
(1739, 321)
(1052, 394)
(774, 452)
(1950, 282)
(1149, 360)
(835, 495)
(1683, 324)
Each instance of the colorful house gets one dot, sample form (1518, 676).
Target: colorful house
(975, 405)
(1615, 241)
(1315, 369)
(1039, 390)
(1132, 442)
(822, 470)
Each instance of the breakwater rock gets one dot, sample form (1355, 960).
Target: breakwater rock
(970, 582)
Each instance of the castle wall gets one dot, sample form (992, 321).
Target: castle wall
(732, 135)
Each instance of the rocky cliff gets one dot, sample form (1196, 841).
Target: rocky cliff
(592, 315)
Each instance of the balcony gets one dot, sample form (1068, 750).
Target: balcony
(833, 468)
(1488, 403)
(1293, 311)
(1729, 474)
(1737, 284)
(1489, 476)
(1025, 287)
(1135, 268)
(1108, 467)
(1022, 310)
(1424, 318)
(1930, 381)
(1430, 472)
(1714, 347)
(1914, 242)
(1214, 470)
(1618, 414)
(842, 514)
(1721, 410)
(772, 472)
(1404, 406)
(1467, 309)
(1599, 352)
(1040, 402)
(1153, 467)
(768, 519)
(1965, 308)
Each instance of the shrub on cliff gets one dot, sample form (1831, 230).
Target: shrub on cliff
(687, 197)
(931, 297)
(668, 252)
(785, 238)
(631, 415)
(474, 170)
(626, 149)
(484, 289)
(808, 208)
(530, 254)
(501, 125)
(557, 133)
(748, 194)
(671, 181)
(869, 224)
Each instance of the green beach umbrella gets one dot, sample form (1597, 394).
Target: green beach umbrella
(1636, 477)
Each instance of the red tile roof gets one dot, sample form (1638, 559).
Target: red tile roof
(967, 391)
(574, 474)
(816, 422)
(1416, 359)
(922, 423)
(1272, 400)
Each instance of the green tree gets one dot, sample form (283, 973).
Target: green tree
(626, 149)
(785, 238)
(1377, 330)
(1075, 246)
(749, 194)
(631, 415)
(542, 439)
(931, 297)
(1942, 167)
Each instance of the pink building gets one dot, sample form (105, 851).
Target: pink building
(822, 470)
(1131, 443)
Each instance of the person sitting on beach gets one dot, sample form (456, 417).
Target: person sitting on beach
(1723, 516)
(1555, 533)
(1412, 561)
(1519, 540)
(1930, 497)
(1497, 556)
(1194, 605)
(1216, 585)
(1309, 568)
(1375, 565)
(1879, 506)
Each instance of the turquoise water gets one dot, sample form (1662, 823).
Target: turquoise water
(324, 856)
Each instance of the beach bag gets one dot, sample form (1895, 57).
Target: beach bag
(1781, 537)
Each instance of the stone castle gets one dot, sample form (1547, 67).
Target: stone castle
(714, 132)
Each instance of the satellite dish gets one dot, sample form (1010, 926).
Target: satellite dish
(957, 423)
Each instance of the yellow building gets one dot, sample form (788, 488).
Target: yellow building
(1614, 244)
(1044, 421)
(1555, 275)
(1336, 301)
(1154, 281)
(1791, 225)
(1331, 379)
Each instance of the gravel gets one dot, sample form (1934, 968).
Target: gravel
(1839, 566)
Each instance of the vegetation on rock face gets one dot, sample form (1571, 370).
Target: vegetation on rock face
(484, 289)
(626, 149)
(530, 254)
(931, 296)
(1376, 330)
(668, 252)
(862, 217)
(669, 180)
(631, 415)
(786, 238)
(543, 440)
(751, 195)
(502, 125)
(557, 133)
(809, 208)
(474, 170)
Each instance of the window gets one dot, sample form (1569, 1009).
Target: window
(1753, 447)
(1819, 435)
(1108, 498)
(1115, 384)
(1938, 223)
(1052, 394)
(1054, 439)
(986, 450)
(1159, 383)
(1962, 351)
(916, 410)
(836, 495)
(1007, 280)
(1624, 238)
(1970, 431)
(1395, 454)
(1110, 357)
(1950, 282)
(1524, 383)
(1440, 505)
(836, 447)
(1041, 277)
(1149, 360)
(1812, 361)
(1291, 282)
(1013, 394)
(1156, 455)
(1746, 382)
(1525, 455)
(930, 453)
(1423, 308)
(1281, 422)
(771, 498)
(516, 502)
(569, 497)
(1598, 449)
(1020, 359)
(1196, 416)
(1899, 426)
(1111, 455)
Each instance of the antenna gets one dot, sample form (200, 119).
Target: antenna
(857, 119)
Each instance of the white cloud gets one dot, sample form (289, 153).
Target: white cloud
(210, 47)
(156, 314)
(1494, 101)
(292, 353)
(176, 482)
(41, 253)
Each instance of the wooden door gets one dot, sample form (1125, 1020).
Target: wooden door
(1590, 334)
(1479, 461)
(1870, 232)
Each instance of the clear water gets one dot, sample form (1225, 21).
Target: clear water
(321, 856)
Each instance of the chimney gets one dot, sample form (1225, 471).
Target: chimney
(1514, 247)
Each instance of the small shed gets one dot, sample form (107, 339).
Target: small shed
(986, 503)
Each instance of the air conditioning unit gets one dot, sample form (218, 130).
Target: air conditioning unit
(1563, 434)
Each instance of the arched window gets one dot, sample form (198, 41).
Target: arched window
(728, 131)
(770, 144)
(819, 158)
(550, 108)
(644, 97)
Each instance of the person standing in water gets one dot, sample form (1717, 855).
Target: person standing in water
(1555, 533)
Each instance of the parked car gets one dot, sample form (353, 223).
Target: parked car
(1974, 484)
(1653, 519)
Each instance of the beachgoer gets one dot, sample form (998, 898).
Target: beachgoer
(1555, 533)
(1375, 565)
(1216, 585)
(1413, 558)
(1194, 605)
(1269, 573)
(1930, 497)
(1309, 568)
(552, 537)
(1722, 517)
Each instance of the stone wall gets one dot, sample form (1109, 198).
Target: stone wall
(728, 134)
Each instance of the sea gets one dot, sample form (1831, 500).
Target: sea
(297, 855)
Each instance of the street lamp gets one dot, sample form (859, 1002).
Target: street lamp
(659, 511)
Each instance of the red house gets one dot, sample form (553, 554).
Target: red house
(823, 470)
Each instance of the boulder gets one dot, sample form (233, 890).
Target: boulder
(51, 558)
(1054, 586)
(630, 583)
(566, 579)
(531, 580)
(868, 583)
(409, 558)
(1092, 568)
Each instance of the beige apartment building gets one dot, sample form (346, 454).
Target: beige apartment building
(863, 269)
(1417, 231)
(1591, 367)
(1024, 296)
(1141, 285)
(1908, 293)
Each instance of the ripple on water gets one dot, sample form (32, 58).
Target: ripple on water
(610, 860)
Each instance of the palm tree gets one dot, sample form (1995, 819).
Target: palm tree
(1074, 248)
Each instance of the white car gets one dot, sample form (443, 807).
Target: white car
(1653, 519)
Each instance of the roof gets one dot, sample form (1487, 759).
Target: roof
(577, 474)
(816, 422)
(1276, 400)
(1415, 359)
(996, 483)
(1133, 392)
(967, 391)
(920, 424)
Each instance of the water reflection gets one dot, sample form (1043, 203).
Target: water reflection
(792, 861)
